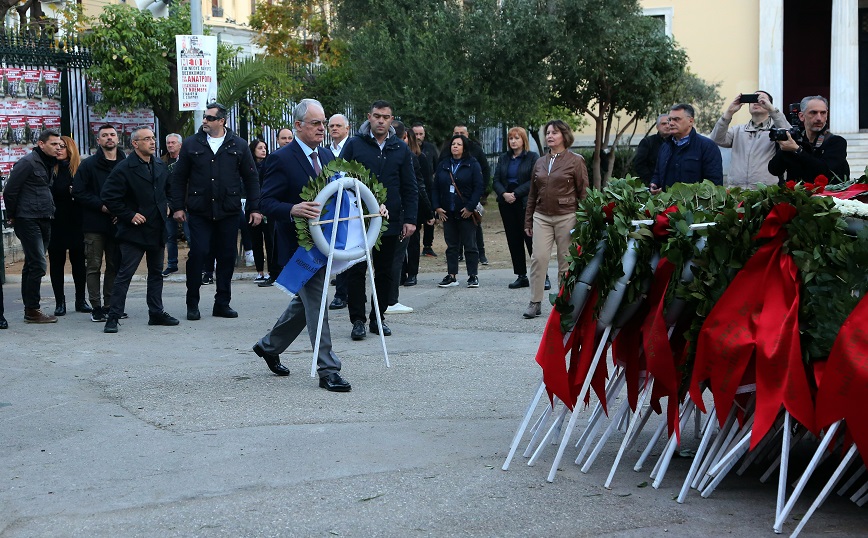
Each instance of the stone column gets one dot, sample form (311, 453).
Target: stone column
(844, 76)
(771, 49)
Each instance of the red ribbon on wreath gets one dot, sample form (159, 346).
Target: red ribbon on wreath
(758, 316)
(845, 379)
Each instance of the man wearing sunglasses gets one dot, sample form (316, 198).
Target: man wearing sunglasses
(207, 183)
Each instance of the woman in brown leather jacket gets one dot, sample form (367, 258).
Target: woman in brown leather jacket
(560, 180)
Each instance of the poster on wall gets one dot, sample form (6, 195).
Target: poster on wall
(123, 122)
(197, 71)
(29, 104)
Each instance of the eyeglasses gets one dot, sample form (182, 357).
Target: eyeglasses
(145, 139)
(209, 117)
(315, 123)
(381, 116)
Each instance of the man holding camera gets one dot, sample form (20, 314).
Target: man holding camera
(814, 151)
(752, 148)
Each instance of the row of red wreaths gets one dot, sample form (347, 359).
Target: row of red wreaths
(750, 336)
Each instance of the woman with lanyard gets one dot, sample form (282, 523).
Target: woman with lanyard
(512, 177)
(457, 189)
(560, 180)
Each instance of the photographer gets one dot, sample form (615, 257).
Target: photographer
(751, 147)
(815, 151)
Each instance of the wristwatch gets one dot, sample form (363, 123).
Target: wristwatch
(799, 151)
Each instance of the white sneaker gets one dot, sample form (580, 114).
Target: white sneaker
(398, 308)
(248, 259)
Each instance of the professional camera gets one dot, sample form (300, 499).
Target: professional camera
(779, 135)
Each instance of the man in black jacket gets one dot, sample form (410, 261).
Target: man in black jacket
(389, 159)
(206, 181)
(645, 159)
(30, 207)
(98, 224)
(136, 191)
(818, 151)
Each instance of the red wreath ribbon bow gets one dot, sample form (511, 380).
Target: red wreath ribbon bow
(757, 316)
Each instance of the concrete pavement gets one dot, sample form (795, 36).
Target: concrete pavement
(183, 431)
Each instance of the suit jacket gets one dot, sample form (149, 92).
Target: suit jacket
(286, 172)
(131, 188)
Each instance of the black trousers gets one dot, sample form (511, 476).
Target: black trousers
(398, 268)
(57, 257)
(460, 233)
(411, 262)
(221, 236)
(34, 234)
(383, 260)
(131, 257)
(428, 235)
(517, 241)
(263, 236)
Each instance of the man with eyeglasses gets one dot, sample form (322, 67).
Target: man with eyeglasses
(686, 156)
(389, 159)
(206, 182)
(30, 208)
(137, 192)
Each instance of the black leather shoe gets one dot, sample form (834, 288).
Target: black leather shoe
(548, 284)
(193, 314)
(520, 282)
(61, 309)
(411, 281)
(337, 304)
(358, 330)
(82, 306)
(376, 330)
(3, 323)
(272, 360)
(223, 311)
(335, 383)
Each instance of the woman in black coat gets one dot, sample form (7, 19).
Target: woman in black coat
(66, 232)
(262, 235)
(512, 177)
(457, 190)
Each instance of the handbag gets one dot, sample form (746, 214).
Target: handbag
(476, 216)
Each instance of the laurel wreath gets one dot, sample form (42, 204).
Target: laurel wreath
(338, 167)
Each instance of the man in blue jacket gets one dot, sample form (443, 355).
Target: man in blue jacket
(687, 156)
(206, 181)
(389, 159)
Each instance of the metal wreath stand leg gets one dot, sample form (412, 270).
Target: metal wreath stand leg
(363, 196)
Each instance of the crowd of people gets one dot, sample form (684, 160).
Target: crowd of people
(109, 211)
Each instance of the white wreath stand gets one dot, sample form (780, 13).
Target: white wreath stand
(365, 198)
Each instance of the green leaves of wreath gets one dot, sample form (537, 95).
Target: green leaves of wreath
(313, 188)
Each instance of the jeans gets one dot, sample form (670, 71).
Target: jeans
(172, 242)
(221, 236)
(131, 257)
(97, 246)
(34, 235)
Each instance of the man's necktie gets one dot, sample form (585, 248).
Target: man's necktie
(315, 162)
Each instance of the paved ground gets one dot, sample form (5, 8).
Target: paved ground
(183, 431)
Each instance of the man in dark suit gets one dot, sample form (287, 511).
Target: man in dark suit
(136, 192)
(287, 171)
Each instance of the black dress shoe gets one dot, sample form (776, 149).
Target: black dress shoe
(358, 330)
(193, 314)
(337, 304)
(411, 281)
(61, 309)
(266, 283)
(548, 284)
(272, 360)
(223, 311)
(376, 330)
(3, 323)
(82, 306)
(335, 383)
(520, 282)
